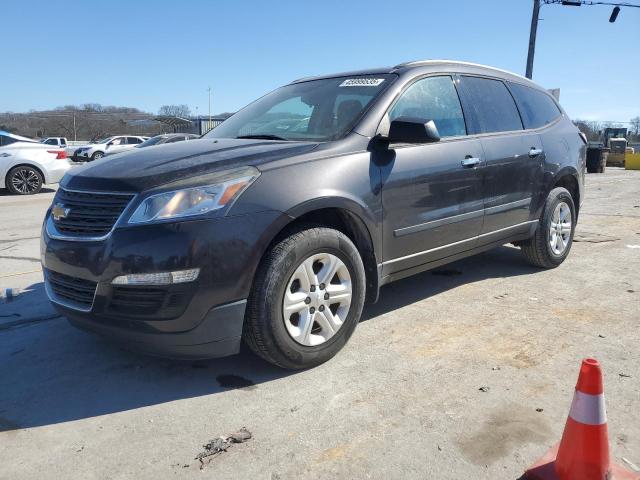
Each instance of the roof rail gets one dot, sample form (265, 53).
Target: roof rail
(417, 63)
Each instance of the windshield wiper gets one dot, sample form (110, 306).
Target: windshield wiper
(263, 137)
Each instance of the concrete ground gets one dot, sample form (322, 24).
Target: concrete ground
(402, 400)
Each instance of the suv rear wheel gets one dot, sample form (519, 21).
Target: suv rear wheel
(551, 243)
(307, 298)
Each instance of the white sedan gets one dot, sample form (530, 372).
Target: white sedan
(26, 165)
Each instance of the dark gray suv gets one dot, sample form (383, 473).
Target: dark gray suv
(278, 225)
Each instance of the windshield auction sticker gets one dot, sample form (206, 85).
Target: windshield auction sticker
(362, 82)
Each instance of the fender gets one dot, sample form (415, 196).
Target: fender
(551, 178)
(363, 223)
(370, 219)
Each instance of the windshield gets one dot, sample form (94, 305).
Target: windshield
(104, 140)
(152, 141)
(317, 110)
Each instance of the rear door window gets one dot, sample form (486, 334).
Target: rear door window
(537, 108)
(432, 98)
(491, 104)
(133, 140)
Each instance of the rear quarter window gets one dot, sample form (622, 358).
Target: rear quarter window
(4, 140)
(492, 105)
(537, 108)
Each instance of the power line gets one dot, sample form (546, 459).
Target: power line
(577, 3)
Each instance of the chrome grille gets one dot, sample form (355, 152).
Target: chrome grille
(90, 214)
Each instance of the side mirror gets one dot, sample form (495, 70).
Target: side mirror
(413, 130)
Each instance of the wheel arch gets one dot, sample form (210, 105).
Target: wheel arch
(568, 179)
(347, 217)
(25, 164)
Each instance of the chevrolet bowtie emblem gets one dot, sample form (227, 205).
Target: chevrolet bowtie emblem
(59, 211)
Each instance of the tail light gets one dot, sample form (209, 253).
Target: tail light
(584, 138)
(60, 154)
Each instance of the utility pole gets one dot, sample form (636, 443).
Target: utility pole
(566, 3)
(532, 37)
(74, 126)
(209, 126)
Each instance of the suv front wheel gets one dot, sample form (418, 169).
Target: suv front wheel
(307, 298)
(551, 243)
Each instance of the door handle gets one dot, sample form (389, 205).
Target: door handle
(534, 152)
(5, 154)
(470, 162)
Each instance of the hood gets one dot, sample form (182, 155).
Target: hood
(140, 169)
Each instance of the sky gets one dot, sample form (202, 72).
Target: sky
(146, 53)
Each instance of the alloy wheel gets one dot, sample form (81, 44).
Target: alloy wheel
(317, 299)
(560, 228)
(25, 181)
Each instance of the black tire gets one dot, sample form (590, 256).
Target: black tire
(24, 180)
(97, 156)
(537, 250)
(264, 326)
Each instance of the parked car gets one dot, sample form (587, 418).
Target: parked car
(161, 140)
(115, 144)
(25, 165)
(56, 141)
(279, 238)
(7, 138)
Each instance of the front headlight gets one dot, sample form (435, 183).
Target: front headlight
(189, 202)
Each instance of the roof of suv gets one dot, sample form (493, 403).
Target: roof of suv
(436, 65)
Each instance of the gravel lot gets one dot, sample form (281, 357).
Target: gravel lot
(402, 400)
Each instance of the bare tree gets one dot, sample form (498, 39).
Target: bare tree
(635, 125)
(92, 120)
(591, 129)
(175, 111)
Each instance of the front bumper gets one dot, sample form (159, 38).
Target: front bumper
(81, 156)
(219, 334)
(202, 319)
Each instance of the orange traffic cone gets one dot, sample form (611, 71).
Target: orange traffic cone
(583, 452)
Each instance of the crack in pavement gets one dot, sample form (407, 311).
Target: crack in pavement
(28, 259)
(23, 322)
(9, 240)
(20, 273)
(610, 215)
